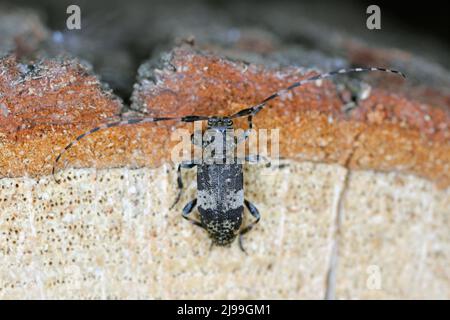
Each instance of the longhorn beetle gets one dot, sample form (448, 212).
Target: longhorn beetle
(220, 190)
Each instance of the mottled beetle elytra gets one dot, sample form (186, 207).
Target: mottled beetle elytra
(220, 186)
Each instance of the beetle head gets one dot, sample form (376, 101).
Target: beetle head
(220, 123)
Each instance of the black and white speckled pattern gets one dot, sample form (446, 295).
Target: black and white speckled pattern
(220, 194)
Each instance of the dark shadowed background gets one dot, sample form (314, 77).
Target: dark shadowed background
(117, 36)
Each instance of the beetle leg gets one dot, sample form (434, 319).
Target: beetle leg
(185, 165)
(188, 209)
(244, 137)
(257, 159)
(250, 127)
(255, 213)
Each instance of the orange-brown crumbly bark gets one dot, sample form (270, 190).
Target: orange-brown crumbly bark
(394, 131)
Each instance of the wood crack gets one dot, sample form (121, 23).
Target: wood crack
(330, 287)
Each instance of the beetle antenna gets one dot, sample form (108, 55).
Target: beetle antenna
(251, 111)
(190, 118)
